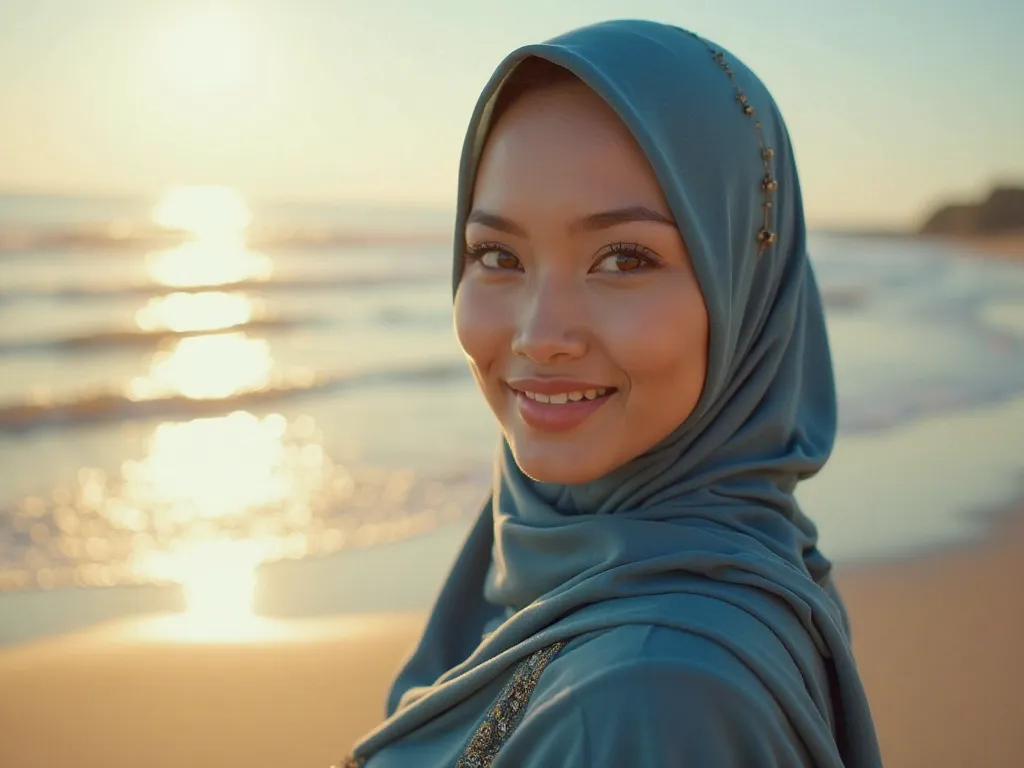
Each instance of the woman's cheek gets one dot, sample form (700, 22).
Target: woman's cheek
(656, 334)
(480, 323)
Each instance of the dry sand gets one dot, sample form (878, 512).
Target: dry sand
(104, 700)
(939, 641)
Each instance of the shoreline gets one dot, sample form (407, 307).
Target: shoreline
(45, 615)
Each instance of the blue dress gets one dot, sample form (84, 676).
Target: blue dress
(648, 695)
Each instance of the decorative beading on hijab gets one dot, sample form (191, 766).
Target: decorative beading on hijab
(765, 235)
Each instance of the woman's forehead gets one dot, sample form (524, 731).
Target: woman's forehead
(564, 145)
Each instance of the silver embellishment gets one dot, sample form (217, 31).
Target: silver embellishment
(507, 710)
(502, 717)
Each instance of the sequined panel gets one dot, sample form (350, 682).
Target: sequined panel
(507, 710)
(503, 716)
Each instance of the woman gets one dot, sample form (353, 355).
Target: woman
(633, 293)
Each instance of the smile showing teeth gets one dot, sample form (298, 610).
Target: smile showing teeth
(567, 397)
(561, 405)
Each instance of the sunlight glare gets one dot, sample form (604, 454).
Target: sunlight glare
(216, 219)
(207, 367)
(218, 580)
(216, 468)
(199, 264)
(187, 312)
(203, 211)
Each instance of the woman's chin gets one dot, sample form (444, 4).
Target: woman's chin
(564, 464)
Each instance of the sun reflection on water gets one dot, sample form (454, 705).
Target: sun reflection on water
(207, 212)
(218, 578)
(200, 480)
(202, 263)
(203, 502)
(207, 367)
(189, 312)
(216, 220)
(214, 468)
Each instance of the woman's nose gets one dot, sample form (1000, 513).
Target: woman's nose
(550, 326)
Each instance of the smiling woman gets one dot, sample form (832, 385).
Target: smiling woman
(634, 296)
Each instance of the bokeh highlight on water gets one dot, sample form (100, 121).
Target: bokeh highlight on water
(195, 388)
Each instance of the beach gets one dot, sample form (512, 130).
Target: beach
(111, 699)
(938, 641)
(937, 638)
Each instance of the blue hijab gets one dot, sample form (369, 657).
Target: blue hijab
(710, 510)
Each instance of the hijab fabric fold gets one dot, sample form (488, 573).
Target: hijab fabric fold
(710, 510)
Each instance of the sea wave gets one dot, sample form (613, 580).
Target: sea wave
(843, 298)
(98, 407)
(133, 338)
(153, 290)
(120, 236)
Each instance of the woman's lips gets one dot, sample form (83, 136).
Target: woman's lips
(557, 405)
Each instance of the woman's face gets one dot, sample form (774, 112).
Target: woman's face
(578, 309)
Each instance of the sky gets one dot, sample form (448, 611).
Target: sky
(894, 106)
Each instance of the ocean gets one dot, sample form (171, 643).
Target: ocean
(211, 403)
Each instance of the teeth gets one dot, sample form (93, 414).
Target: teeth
(567, 397)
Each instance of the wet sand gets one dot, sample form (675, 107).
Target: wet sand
(938, 638)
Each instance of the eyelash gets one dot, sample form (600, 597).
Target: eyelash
(474, 253)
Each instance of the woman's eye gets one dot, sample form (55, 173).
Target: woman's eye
(498, 259)
(621, 262)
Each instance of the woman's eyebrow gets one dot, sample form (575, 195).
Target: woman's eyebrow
(613, 218)
(589, 223)
(494, 221)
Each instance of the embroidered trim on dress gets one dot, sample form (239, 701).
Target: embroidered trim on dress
(507, 710)
(502, 717)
